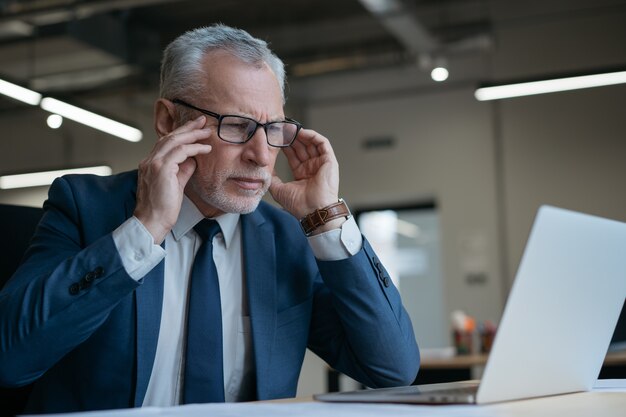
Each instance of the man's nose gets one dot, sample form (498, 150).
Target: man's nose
(257, 149)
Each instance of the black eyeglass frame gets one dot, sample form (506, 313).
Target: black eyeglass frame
(220, 117)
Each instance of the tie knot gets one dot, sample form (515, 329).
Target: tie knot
(207, 229)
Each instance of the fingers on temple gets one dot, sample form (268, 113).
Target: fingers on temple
(300, 151)
(310, 144)
(185, 152)
(178, 155)
(190, 125)
(188, 132)
(174, 142)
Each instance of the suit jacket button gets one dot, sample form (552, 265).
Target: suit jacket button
(99, 271)
(90, 276)
(386, 281)
(378, 265)
(74, 288)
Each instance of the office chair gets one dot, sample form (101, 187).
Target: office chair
(17, 224)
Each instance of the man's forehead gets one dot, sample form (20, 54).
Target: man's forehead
(237, 85)
(219, 59)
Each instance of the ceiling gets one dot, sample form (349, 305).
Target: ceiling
(74, 47)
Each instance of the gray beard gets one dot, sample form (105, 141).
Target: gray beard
(213, 192)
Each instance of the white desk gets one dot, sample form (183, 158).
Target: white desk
(601, 403)
(587, 404)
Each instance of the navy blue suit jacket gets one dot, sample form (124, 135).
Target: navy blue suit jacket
(72, 319)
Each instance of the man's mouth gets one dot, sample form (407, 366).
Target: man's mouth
(249, 183)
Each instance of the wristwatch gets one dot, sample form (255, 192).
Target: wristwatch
(320, 217)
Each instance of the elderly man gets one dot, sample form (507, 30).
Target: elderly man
(175, 284)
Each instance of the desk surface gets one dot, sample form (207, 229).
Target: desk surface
(466, 361)
(605, 404)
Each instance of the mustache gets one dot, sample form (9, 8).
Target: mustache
(255, 174)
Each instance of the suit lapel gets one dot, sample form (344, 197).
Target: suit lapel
(259, 258)
(148, 303)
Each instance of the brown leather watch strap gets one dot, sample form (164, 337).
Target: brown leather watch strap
(319, 217)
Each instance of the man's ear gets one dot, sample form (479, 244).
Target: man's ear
(164, 117)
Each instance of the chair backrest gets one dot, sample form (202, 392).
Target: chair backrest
(17, 224)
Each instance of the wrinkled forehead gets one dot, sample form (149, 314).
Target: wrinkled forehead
(227, 81)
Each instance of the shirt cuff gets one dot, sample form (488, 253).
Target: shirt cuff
(337, 244)
(136, 247)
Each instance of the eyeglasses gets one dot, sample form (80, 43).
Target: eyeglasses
(240, 129)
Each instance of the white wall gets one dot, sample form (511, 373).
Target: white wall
(443, 152)
(566, 150)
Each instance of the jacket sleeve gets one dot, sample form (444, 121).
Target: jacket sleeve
(62, 292)
(359, 326)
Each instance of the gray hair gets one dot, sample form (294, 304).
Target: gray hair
(181, 67)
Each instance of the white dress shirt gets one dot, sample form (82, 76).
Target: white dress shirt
(139, 255)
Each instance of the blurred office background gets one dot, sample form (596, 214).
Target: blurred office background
(453, 183)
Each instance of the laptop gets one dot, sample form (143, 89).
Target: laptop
(557, 323)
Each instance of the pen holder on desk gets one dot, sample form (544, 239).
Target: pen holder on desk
(463, 342)
(487, 332)
(486, 340)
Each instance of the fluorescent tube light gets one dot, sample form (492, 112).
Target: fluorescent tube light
(91, 119)
(381, 6)
(37, 179)
(20, 93)
(549, 86)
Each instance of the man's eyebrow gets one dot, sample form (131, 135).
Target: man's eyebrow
(271, 119)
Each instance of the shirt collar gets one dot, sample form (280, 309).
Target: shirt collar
(189, 216)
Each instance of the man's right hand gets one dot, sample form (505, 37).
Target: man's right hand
(164, 173)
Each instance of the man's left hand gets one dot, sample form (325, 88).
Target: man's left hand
(316, 175)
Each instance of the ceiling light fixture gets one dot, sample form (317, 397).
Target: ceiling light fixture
(36, 179)
(54, 121)
(439, 74)
(69, 111)
(91, 119)
(549, 86)
(382, 6)
(20, 93)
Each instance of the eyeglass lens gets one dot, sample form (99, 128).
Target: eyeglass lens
(239, 130)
